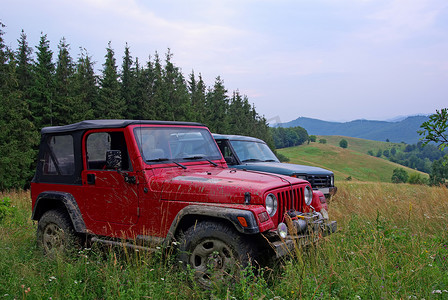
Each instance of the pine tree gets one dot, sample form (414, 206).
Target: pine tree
(217, 108)
(239, 119)
(18, 135)
(144, 84)
(41, 100)
(63, 98)
(109, 104)
(158, 96)
(24, 65)
(175, 92)
(128, 85)
(85, 89)
(197, 91)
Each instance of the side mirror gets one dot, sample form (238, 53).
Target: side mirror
(113, 159)
(230, 160)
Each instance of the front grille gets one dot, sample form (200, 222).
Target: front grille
(319, 181)
(289, 199)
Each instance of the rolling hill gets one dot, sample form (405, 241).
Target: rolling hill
(352, 162)
(404, 130)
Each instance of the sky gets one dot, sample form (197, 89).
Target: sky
(334, 60)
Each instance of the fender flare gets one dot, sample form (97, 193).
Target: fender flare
(48, 198)
(217, 212)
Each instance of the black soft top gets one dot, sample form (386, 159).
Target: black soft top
(98, 124)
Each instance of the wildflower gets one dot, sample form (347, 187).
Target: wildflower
(437, 292)
(52, 278)
(162, 279)
(27, 290)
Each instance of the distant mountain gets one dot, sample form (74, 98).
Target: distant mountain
(404, 130)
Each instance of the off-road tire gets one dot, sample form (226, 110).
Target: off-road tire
(215, 252)
(55, 234)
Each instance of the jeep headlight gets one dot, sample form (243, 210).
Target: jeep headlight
(308, 195)
(271, 204)
(332, 181)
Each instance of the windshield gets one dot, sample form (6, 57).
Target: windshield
(253, 151)
(159, 145)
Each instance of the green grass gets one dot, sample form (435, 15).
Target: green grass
(361, 145)
(345, 162)
(392, 243)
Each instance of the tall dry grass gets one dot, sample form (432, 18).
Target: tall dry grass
(392, 243)
(422, 209)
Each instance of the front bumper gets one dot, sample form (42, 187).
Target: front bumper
(303, 230)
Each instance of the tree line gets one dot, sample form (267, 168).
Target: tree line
(289, 136)
(38, 90)
(415, 156)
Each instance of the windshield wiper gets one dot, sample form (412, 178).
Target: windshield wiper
(157, 159)
(166, 159)
(270, 160)
(201, 157)
(251, 159)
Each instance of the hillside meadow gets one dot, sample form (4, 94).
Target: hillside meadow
(352, 162)
(361, 145)
(392, 243)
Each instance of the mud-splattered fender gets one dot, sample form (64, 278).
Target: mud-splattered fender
(189, 215)
(53, 199)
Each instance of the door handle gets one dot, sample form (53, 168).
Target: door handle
(129, 179)
(90, 178)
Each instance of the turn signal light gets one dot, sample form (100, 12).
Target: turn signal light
(242, 221)
(263, 217)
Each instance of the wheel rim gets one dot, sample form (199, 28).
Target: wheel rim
(212, 260)
(53, 238)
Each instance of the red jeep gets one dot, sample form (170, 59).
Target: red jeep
(147, 183)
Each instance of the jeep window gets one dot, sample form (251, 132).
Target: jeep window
(224, 146)
(248, 151)
(59, 156)
(98, 143)
(158, 145)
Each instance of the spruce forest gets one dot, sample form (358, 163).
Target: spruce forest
(39, 88)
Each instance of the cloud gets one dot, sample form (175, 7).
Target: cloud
(403, 19)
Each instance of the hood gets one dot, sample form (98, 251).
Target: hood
(216, 185)
(283, 168)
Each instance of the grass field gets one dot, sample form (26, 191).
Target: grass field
(392, 243)
(353, 162)
(361, 145)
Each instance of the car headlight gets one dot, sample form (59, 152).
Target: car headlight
(308, 195)
(303, 177)
(271, 204)
(332, 181)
